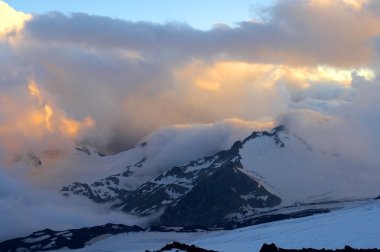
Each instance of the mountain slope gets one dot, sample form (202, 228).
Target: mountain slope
(192, 194)
(356, 226)
(224, 195)
(265, 172)
(116, 175)
(300, 172)
(115, 179)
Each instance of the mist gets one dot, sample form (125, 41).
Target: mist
(25, 209)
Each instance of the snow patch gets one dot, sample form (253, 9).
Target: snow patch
(37, 239)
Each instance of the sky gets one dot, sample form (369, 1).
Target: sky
(109, 76)
(198, 14)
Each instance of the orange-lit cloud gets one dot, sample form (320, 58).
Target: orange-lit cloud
(356, 4)
(222, 75)
(72, 127)
(29, 123)
(35, 91)
(55, 121)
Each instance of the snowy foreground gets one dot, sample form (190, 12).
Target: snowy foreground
(358, 227)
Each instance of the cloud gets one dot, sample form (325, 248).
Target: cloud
(132, 78)
(12, 21)
(25, 209)
(31, 124)
(179, 144)
(349, 128)
(298, 32)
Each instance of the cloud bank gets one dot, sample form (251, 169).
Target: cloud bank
(134, 77)
(25, 209)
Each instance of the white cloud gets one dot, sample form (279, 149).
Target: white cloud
(12, 21)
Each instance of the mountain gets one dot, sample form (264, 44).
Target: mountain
(261, 175)
(119, 182)
(213, 180)
(355, 226)
(187, 191)
(113, 176)
(47, 239)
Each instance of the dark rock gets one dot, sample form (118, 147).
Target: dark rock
(181, 247)
(269, 248)
(220, 195)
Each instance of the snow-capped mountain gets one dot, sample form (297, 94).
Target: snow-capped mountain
(110, 177)
(266, 171)
(218, 180)
(122, 174)
(185, 192)
(111, 187)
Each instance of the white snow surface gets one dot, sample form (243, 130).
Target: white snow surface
(33, 240)
(299, 173)
(358, 227)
